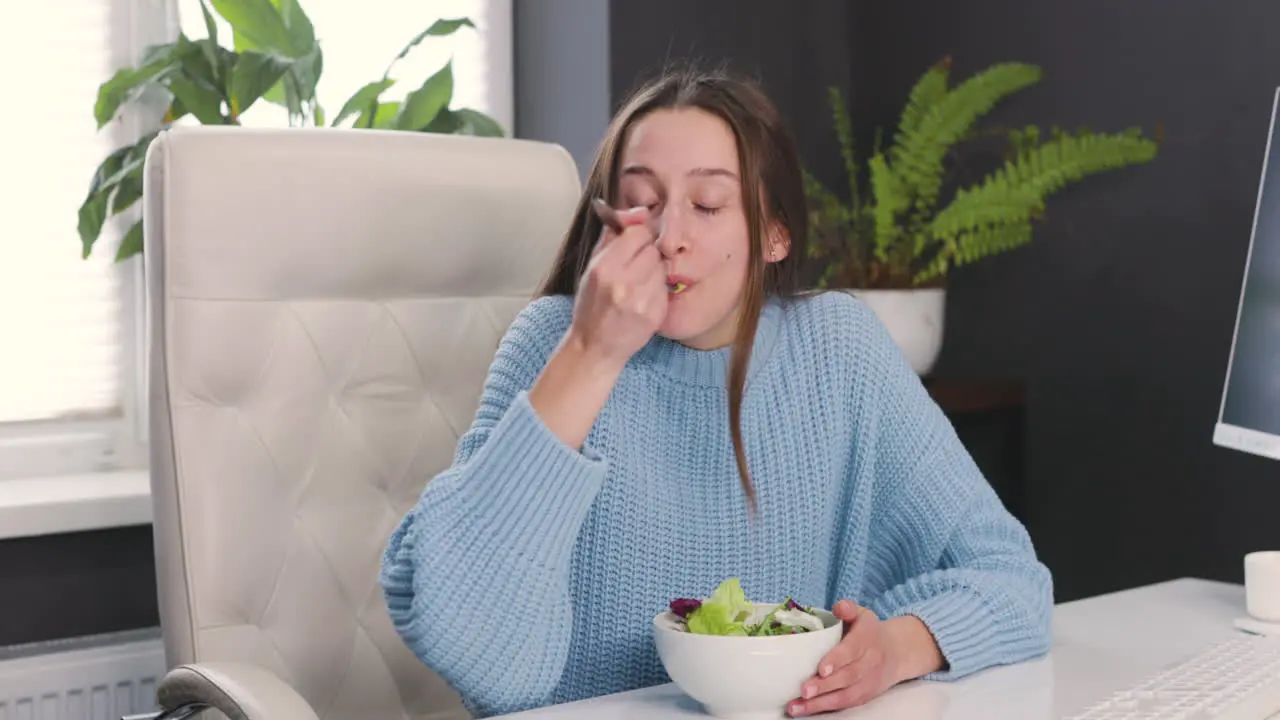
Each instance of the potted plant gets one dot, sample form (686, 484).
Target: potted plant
(894, 240)
(275, 57)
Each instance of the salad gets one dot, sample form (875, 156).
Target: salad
(727, 612)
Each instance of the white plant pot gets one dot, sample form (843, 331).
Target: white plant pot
(914, 319)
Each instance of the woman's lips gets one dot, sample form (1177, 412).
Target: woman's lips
(677, 284)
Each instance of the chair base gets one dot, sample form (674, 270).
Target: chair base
(182, 712)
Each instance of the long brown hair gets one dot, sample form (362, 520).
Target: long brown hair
(772, 196)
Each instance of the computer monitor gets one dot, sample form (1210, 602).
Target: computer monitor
(1249, 416)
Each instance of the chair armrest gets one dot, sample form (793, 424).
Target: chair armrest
(240, 690)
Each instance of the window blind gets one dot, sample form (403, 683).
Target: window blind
(60, 316)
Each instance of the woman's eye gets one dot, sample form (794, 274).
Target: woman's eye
(706, 209)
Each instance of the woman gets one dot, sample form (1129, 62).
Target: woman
(673, 411)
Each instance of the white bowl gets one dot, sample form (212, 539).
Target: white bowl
(743, 678)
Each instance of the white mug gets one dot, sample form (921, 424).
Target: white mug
(1262, 585)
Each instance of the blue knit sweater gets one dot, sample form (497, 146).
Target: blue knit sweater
(529, 572)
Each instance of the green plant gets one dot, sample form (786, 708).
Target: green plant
(891, 232)
(275, 57)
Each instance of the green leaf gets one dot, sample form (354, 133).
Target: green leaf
(439, 28)
(210, 25)
(131, 243)
(1048, 168)
(715, 619)
(919, 152)
(889, 199)
(362, 99)
(385, 116)
(302, 35)
(254, 74)
(128, 191)
(298, 87)
(308, 70)
(107, 170)
(444, 123)
(464, 121)
(928, 90)
(844, 138)
(993, 202)
(128, 83)
(292, 97)
(120, 169)
(175, 111)
(474, 122)
(260, 23)
(723, 613)
(200, 100)
(443, 27)
(192, 60)
(421, 106)
(152, 53)
(91, 216)
(210, 43)
(972, 246)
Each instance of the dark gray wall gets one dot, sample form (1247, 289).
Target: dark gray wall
(1119, 316)
(562, 77)
(795, 48)
(1121, 312)
(75, 584)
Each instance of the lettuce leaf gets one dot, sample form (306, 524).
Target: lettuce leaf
(724, 613)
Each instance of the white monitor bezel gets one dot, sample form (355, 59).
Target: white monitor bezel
(1227, 435)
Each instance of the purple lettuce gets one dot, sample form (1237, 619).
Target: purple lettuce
(683, 606)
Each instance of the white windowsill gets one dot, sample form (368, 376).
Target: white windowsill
(73, 503)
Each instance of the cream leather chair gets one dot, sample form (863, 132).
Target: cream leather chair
(323, 307)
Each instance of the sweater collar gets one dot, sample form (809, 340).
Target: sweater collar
(711, 367)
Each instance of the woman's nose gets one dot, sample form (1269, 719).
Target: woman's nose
(671, 238)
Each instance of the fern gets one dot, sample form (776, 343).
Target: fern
(1050, 167)
(918, 155)
(928, 90)
(899, 237)
(844, 137)
(974, 245)
(1018, 190)
(990, 240)
(829, 205)
(890, 200)
(994, 202)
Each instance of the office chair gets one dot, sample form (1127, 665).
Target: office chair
(323, 305)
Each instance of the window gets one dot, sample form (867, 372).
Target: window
(68, 329)
(71, 345)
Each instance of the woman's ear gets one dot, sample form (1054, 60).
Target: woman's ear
(777, 244)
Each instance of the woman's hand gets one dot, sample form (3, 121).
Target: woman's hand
(873, 656)
(621, 302)
(622, 297)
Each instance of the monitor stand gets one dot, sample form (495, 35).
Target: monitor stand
(1257, 627)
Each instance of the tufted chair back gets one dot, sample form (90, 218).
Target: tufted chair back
(323, 305)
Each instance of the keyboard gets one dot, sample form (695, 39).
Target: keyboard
(1236, 679)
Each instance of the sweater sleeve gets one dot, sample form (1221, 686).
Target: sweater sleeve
(476, 575)
(941, 545)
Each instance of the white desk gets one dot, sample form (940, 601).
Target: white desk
(1099, 645)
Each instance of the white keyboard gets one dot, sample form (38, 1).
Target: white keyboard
(1238, 679)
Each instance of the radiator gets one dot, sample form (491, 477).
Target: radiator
(98, 678)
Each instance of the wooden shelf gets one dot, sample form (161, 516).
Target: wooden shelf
(976, 396)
